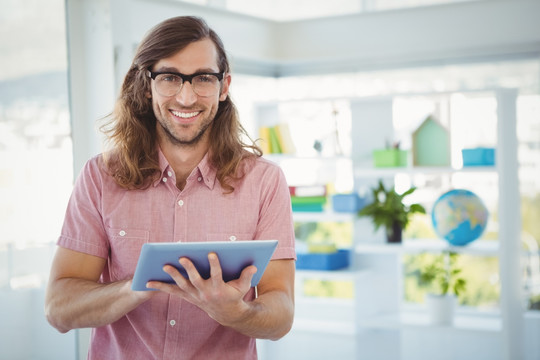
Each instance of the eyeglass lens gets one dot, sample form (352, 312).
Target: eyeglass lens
(202, 85)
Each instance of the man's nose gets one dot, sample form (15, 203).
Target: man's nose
(186, 96)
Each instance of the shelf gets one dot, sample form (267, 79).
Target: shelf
(323, 216)
(370, 171)
(292, 157)
(332, 302)
(345, 274)
(412, 170)
(401, 321)
(320, 326)
(415, 246)
(419, 320)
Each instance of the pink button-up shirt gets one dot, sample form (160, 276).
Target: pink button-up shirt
(105, 220)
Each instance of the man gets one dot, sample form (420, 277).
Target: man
(178, 170)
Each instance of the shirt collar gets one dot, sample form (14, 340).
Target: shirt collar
(204, 169)
(207, 171)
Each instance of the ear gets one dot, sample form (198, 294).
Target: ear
(225, 87)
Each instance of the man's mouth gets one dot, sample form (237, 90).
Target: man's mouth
(185, 115)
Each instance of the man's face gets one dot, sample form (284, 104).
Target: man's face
(183, 119)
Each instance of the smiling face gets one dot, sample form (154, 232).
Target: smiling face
(185, 118)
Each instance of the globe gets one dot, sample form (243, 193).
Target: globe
(459, 216)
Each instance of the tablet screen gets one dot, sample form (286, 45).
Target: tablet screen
(233, 256)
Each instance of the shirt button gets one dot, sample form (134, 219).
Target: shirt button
(169, 173)
(199, 178)
(232, 238)
(172, 322)
(164, 179)
(181, 202)
(122, 233)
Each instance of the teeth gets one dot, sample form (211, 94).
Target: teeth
(184, 115)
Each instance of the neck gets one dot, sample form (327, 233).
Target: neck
(183, 158)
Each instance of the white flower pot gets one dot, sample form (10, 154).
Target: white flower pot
(440, 308)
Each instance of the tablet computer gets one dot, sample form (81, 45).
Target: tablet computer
(233, 256)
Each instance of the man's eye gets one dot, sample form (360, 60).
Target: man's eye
(170, 78)
(205, 78)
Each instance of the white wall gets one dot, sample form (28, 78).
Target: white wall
(25, 334)
(468, 31)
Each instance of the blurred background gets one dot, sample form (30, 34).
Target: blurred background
(346, 78)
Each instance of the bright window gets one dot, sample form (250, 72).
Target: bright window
(35, 139)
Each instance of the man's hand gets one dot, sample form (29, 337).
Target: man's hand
(220, 300)
(269, 316)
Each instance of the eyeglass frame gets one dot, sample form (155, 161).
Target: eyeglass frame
(185, 78)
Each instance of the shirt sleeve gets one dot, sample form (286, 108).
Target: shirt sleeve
(83, 228)
(275, 215)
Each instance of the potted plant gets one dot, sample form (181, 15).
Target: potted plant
(443, 277)
(388, 210)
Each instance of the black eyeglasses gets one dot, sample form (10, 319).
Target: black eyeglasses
(170, 83)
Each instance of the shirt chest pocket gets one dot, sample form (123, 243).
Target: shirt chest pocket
(126, 247)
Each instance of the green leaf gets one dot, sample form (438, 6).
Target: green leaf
(387, 207)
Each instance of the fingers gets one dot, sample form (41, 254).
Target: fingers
(194, 279)
(191, 270)
(247, 274)
(180, 281)
(216, 274)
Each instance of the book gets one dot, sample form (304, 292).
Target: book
(284, 137)
(307, 207)
(276, 139)
(264, 136)
(308, 190)
(275, 146)
(308, 200)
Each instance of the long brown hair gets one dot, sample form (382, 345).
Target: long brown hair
(131, 128)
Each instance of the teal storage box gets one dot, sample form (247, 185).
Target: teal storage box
(320, 261)
(478, 156)
(347, 203)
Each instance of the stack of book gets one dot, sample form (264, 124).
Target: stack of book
(308, 198)
(276, 139)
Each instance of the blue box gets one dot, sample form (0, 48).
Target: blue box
(478, 156)
(318, 261)
(347, 203)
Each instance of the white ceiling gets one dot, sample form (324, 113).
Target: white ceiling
(287, 10)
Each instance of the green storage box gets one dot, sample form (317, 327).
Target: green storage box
(390, 158)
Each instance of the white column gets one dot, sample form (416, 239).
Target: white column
(509, 226)
(122, 37)
(91, 74)
(379, 291)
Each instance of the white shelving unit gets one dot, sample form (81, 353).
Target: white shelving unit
(415, 317)
(323, 216)
(379, 316)
(412, 170)
(377, 319)
(415, 246)
(418, 319)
